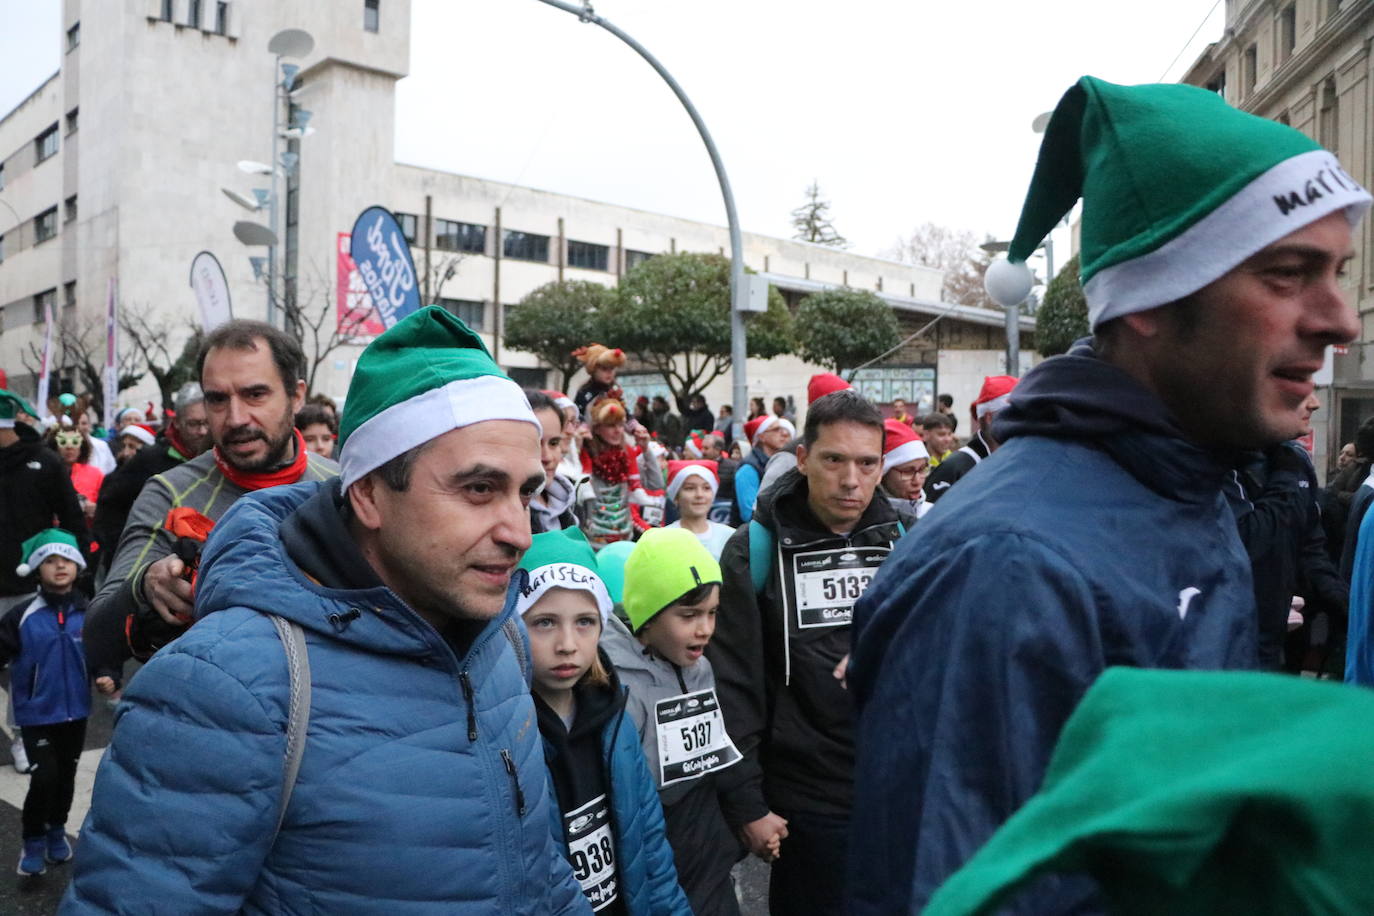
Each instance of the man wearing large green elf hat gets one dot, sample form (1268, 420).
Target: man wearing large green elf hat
(420, 784)
(1213, 244)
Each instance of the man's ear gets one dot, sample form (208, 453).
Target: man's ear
(801, 457)
(1147, 324)
(362, 497)
(298, 396)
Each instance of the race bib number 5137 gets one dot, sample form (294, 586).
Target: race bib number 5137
(692, 740)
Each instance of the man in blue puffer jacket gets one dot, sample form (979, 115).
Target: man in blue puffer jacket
(1098, 534)
(421, 785)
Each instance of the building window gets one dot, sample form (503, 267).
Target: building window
(1218, 84)
(371, 15)
(193, 13)
(455, 236)
(634, 258)
(69, 209)
(45, 225)
(526, 246)
(588, 255)
(1328, 116)
(41, 303)
(469, 311)
(74, 36)
(72, 120)
(166, 11)
(2, 176)
(221, 18)
(1288, 31)
(45, 145)
(1250, 70)
(69, 294)
(409, 226)
(2, 249)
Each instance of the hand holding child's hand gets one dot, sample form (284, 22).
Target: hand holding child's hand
(764, 836)
(105, 685)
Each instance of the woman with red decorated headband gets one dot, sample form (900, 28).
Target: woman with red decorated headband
(615, 506)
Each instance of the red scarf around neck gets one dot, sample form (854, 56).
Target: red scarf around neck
(261, 480)
(175, 442)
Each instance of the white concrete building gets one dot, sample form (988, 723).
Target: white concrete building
(113, 168)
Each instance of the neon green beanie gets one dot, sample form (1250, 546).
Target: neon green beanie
(666, 564)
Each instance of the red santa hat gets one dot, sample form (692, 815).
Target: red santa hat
(695, 444)
(823, 384)
(901, 445)
(679, 472)
(560, 400)
(760, 425)
(994, 396)
(140, 431)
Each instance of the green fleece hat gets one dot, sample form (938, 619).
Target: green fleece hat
(424, 376)
(562, 559)
(1196, 792)
(10, 406)
(49, 543)
(1178, 189)
(665, 564)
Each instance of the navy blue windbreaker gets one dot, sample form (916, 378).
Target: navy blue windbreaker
(1095, 536)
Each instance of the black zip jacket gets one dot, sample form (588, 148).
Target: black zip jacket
(119, 490)
(34, 489)
(788, 715)
(577, 768)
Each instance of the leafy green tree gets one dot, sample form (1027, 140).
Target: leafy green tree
(556, 319)
(844, 328)
(1063, 315)
(673, 313)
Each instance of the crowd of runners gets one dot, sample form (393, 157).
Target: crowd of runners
(462, 645)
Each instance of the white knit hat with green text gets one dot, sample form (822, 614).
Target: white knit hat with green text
(1178, 189)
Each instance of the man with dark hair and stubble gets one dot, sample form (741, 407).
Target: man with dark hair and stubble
(1214, 243)
(792, 575)
(401, 770)
(252, 376)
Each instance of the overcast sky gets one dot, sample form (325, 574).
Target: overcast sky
(905, 112)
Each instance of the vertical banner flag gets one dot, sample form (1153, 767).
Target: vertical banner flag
(357, 320)
(46, 375)
(383, 257)
(111, 355)
(212, 291)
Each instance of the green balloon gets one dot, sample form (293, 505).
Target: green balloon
(610, 562)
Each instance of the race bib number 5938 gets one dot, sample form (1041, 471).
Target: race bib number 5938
(591, 851)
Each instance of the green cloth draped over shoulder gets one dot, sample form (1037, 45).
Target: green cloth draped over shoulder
(1183, 792)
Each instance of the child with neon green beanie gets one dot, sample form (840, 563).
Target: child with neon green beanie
(606, 820)
(671, 597)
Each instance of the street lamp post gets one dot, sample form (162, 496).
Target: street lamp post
(738, 291)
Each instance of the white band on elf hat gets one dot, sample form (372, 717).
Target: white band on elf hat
(133, 430)
(769, 422)
(993, 406)
(50, 550)
(427, 416)
(905, 453)
(691, 470)
(571, 576)
(1293, 194)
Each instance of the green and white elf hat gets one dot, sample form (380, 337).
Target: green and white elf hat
(1178, 189)
(10, 406)
(562, 559)
(424, 376)
(46, 543)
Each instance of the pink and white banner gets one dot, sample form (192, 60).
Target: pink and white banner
(111, 354)
(358, 320)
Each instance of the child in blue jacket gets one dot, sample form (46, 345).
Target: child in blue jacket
(51, 691)
(607, 815)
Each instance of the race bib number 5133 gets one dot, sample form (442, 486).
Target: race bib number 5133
(828, 582)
